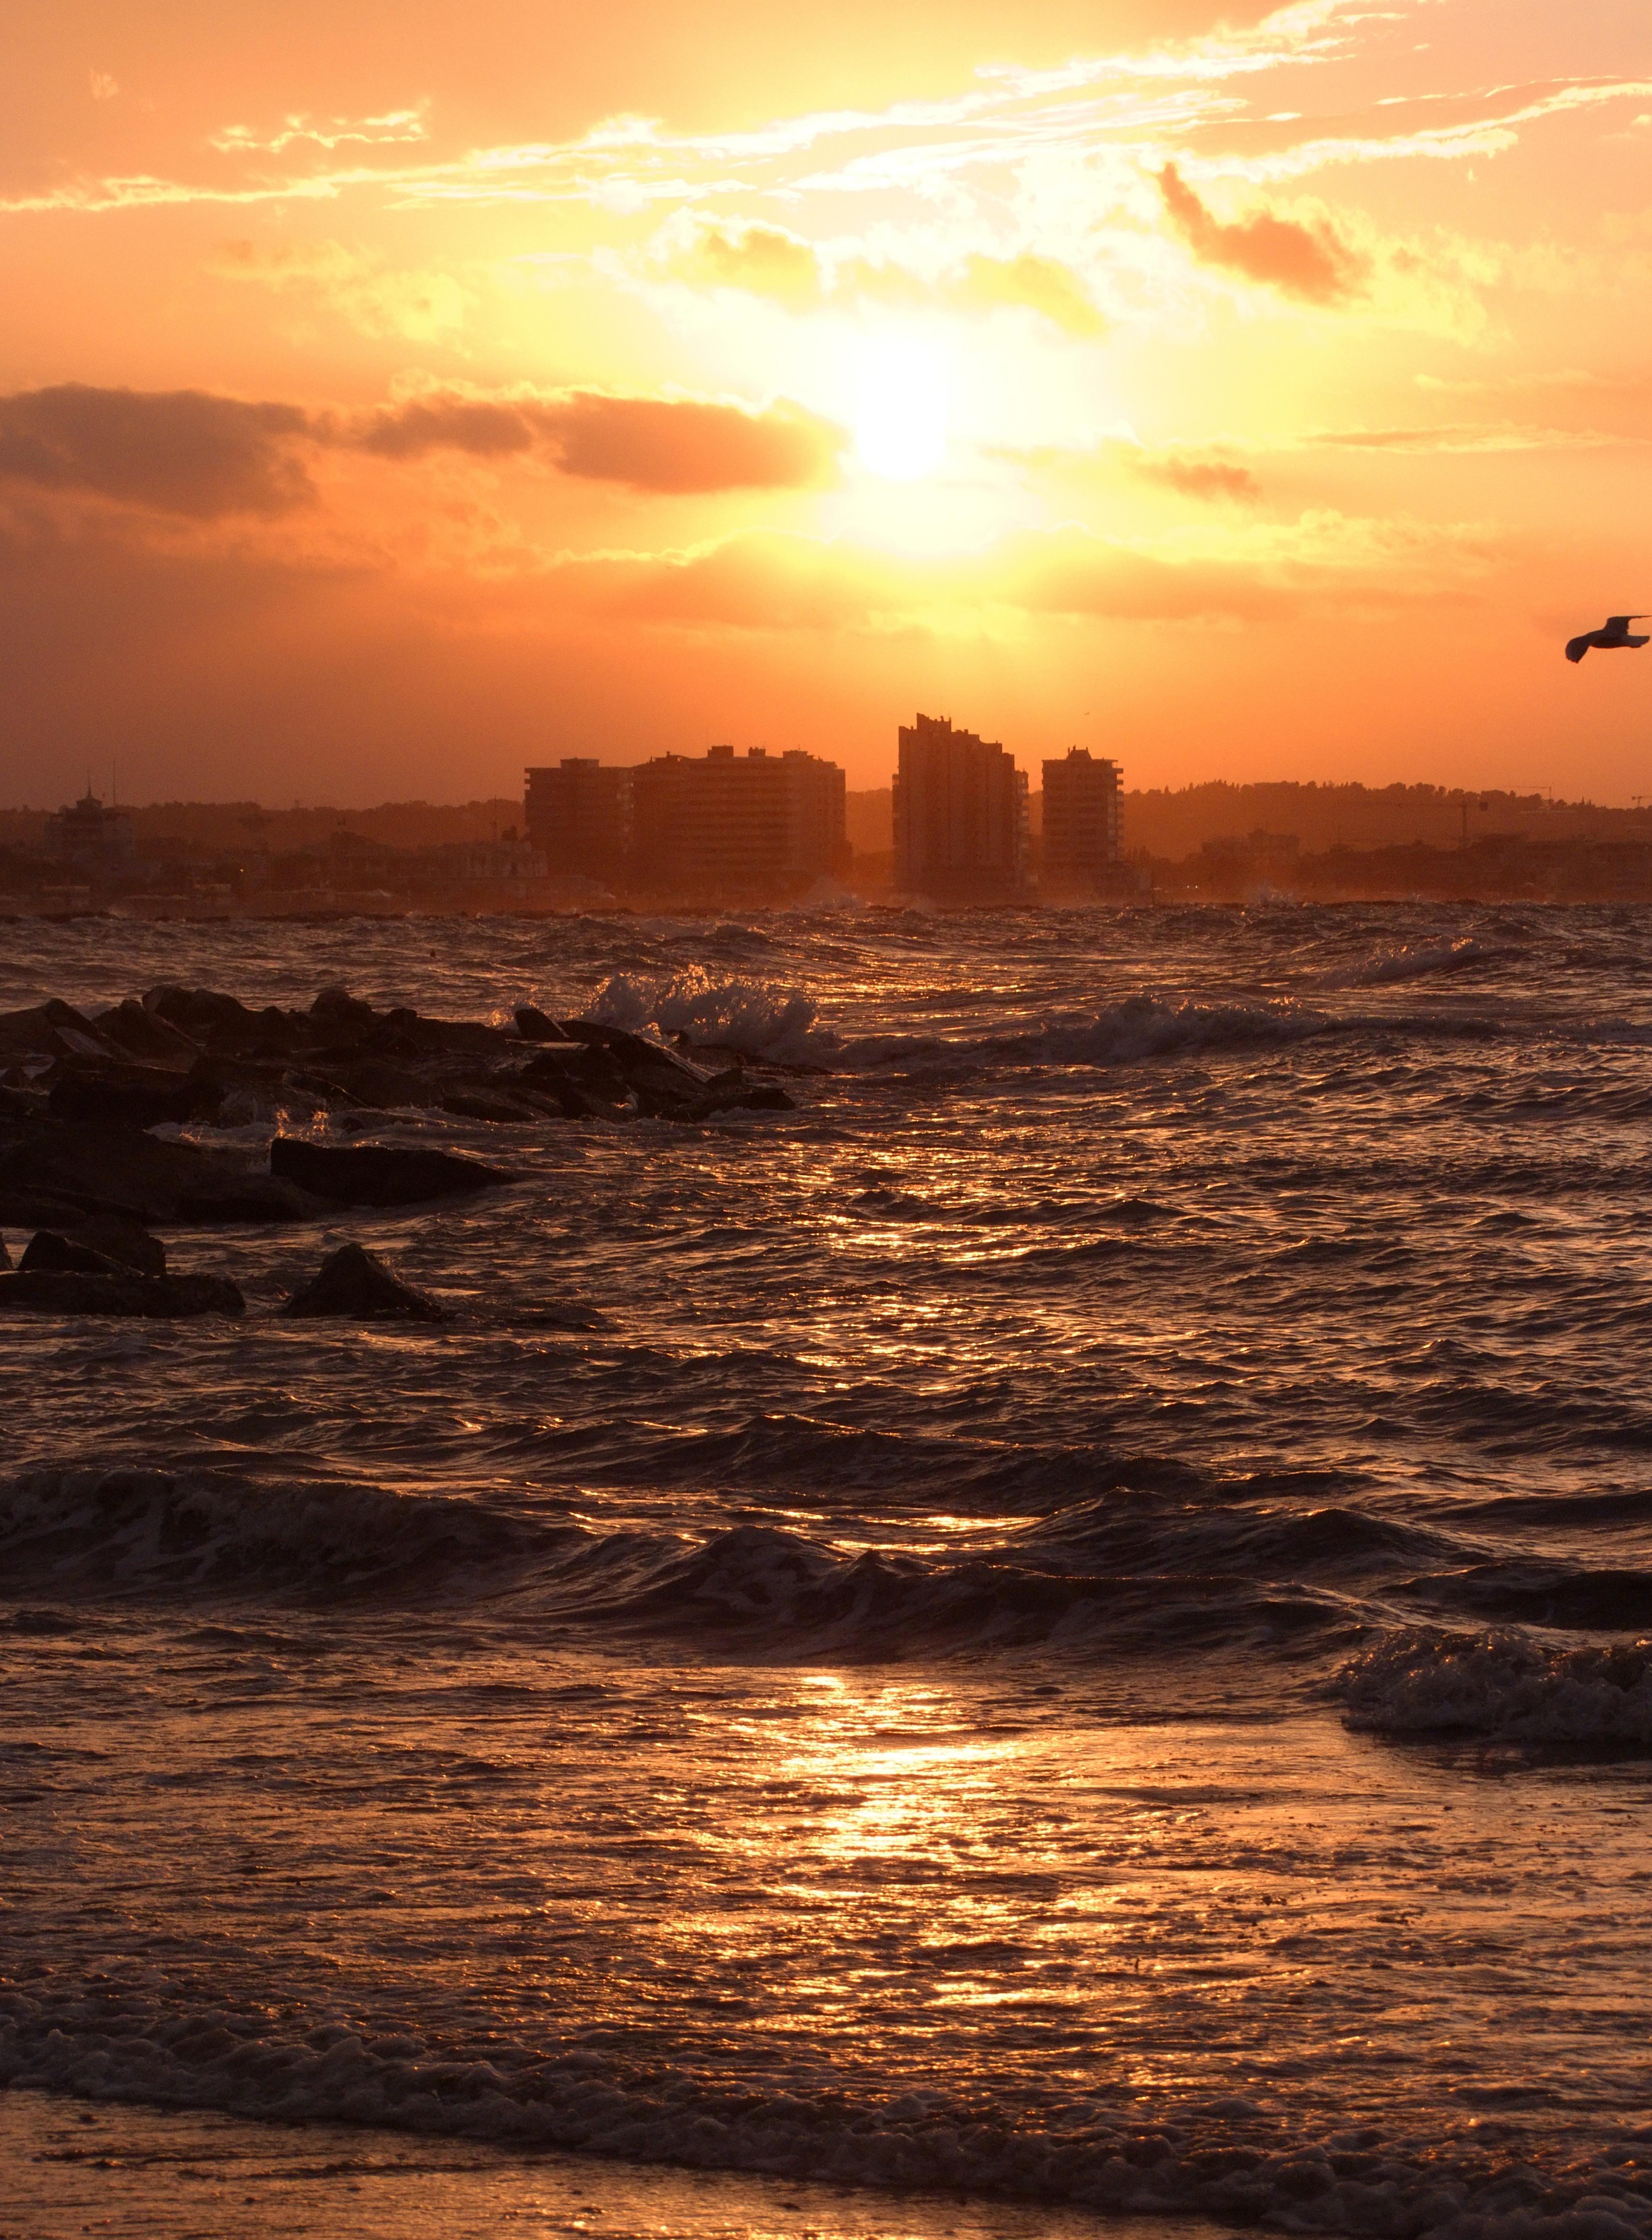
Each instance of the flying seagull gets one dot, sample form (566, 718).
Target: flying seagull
(1615, 633)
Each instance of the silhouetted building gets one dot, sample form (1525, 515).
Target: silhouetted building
(94, 840)
(578, 814)
(1081, 821)
(753, 826)
(961, 817)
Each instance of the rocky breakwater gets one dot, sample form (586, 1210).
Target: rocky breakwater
(81, 1096)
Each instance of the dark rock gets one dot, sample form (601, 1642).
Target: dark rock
(384, 1087)
(46, 1249)
(633, 1053)
(57, 1174)
(124, 1243)
(378, 1174)
(132, 1096)
(534, 1026)
(97, 1247)
(557, 1088)
(64, 1292)
(49, 1030)
(144, 1034)
(755, 1097)
(206, 1015)
(354, 1285)
(341, 1013)
(468, 1104)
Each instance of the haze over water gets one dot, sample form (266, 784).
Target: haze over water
(1062, 1620)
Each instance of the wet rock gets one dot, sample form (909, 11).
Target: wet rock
(378, 1174)
(123, 1243)
(49, 1030)
(536, 1026)
(152, 1298)
(47, 1249)
(57, 1174)
(384, 1087)
(468, 1105)
(132, 1096)
(354, 1285)
(342, 1013)
(143, 1033)
(206, 1014)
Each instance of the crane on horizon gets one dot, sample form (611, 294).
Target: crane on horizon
(1613, 633)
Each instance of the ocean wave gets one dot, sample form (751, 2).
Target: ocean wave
(1124, 1033)
(760, 1589)
(1502, 1685)
(1418, 960)
(752, 1016)
(150, 1531)
(115, 2039)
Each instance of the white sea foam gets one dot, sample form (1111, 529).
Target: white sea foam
(124, 2043)
(743, 1015)
(1504, 1686)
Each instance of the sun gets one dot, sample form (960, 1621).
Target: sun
(903, 400)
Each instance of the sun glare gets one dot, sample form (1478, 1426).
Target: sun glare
(902, 403)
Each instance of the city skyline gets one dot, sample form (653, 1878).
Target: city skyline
(1226, 390)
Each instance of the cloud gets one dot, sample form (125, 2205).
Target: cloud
(1197, 477)
(422, 306)
(1309, 261)
(200, 457)
(765, 581)
(768, 261)
(763, 260)
(671, 446)
(1466, 435)
(180, 451)
(395, 127)
(1203, 474)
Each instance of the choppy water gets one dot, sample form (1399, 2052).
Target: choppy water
(1065, 1619)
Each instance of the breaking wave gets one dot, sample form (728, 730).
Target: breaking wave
(1418, 960)
(743, 1015)
(1229, 2159)
(1504, 1686)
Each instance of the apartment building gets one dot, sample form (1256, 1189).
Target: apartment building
(750, 827)
(1082, 840)
(579, 814)
(960, 816)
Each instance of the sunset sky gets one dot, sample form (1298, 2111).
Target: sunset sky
(394, 394)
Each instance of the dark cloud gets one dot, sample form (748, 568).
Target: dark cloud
(179, 451)
(672, 446)
(1310, 261)
(444, 423)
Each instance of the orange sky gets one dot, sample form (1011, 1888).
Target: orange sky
(393, 394)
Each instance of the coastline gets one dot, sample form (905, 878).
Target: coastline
(76, 2165)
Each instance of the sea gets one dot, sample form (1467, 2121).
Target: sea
(1059, 1632)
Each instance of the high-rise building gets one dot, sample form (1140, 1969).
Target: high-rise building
(1080, 823)
(749, 827)
(578, 814)
(961, 822)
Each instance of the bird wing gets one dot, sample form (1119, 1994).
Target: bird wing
(1618, 623)
(1577, 646)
